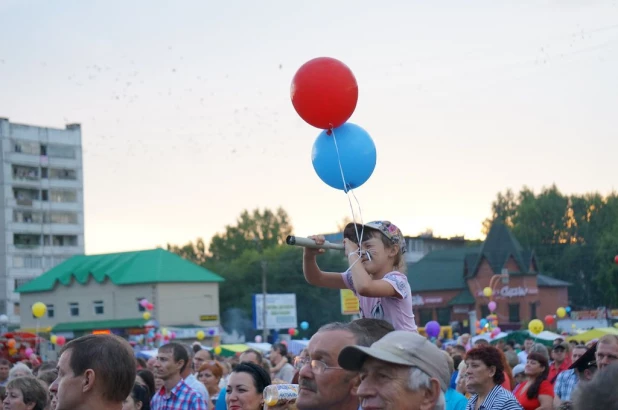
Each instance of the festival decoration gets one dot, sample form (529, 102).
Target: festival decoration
(146, 315)
(217, 350)
(432, 329)
(561, 312)
(291, 331)
(324, 92)
(39, 309)
(487, 292)
(304, 325)
(535, 326)
(200, 335)
(53, 339)
(491, 306)
(61, 340)
(549, 320)
(350, 155)
(258, 339)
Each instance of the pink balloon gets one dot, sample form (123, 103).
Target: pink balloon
(144, 303)
(492, 306)
(258, 339)
(29, 352)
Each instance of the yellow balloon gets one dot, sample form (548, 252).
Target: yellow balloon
(487, 292)
(535, 326)
(53, 339)
(561, 312)
(164, 332)
(200, 335)
(146, 315)
(574, 326)
(218, 350)
(616, 325)
(39, 309)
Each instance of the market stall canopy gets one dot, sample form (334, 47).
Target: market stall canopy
(594, 334)
(261, 347)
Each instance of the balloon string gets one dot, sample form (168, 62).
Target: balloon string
(349, 190)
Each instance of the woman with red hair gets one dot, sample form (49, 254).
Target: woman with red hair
(210, 373)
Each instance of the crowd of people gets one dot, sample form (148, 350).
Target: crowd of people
(364, 364)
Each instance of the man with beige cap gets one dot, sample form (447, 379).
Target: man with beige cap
(403, 370)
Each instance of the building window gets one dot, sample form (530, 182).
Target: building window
(16, 309)
(44, 173)
(25, 195)
(444, 316)
(27, 147)
(64, 240)
(514, 313)
(45, 195)
(28, 217)
(26, 240)
(485, 311)
(532, 310)
(50, 311)
(425, 315)
(98, 307)
(22, 281)
(60, 151)
(63, 218)
(73, 309)
(60, 195)
(69, 174)
(23, 172)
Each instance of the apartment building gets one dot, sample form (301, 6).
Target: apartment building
(42, 222)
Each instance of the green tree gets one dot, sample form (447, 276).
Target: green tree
(255, 230)
(194, 252)
(571, 236)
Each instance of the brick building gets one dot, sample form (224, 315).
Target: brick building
(448, 284)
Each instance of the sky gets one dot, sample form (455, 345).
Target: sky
(187, 120)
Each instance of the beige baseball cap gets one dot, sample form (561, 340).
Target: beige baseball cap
(403, 348)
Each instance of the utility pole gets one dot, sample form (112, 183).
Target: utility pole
(264, 266)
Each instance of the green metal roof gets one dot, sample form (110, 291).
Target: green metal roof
(99, 325)
(463, 298)
(126, 268)
(549, 282)
(440, 270)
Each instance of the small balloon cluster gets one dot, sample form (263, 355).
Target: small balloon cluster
(200, 334)
(149, 308)
(488, 325)
(57, 340)
(324, 93)
(294, 332)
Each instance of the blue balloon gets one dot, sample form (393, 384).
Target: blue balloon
(304, 325)
(568, 309)
(483, 322)
(357, 154)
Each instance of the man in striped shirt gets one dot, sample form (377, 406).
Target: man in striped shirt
(172, 359)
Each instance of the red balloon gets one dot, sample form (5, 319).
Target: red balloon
(60, 340)
(616, 259)
(324, 92)
(291, 331)
(549, 319)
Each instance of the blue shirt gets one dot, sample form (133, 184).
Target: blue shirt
(454, 380)
(455, 400)
(498, 398)
(221, 405)
(565, 383)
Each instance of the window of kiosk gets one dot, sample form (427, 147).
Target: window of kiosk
(444, 316)
(514, 313)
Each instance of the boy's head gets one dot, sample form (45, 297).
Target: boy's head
(380, 232)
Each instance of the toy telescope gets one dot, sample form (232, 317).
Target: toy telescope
(310, 243)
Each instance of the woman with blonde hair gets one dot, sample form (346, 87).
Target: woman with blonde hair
(25, 393)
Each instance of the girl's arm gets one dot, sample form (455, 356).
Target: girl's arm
(363, 283)
(314, 275)
(279, 365)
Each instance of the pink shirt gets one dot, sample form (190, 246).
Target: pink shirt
(396, 311)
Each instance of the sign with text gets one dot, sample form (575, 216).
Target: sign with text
(508, 292)
(208, 318)
(349, 302)
(418, 300)
(280, 311)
